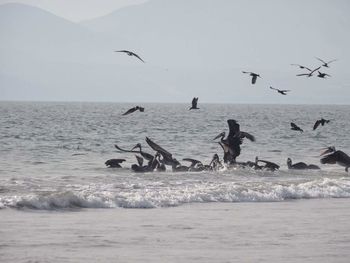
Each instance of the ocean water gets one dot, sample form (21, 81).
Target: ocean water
(52, 154)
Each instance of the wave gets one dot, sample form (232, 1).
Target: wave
(166, 196)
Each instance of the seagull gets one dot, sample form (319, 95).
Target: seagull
(254, 75)
(322, 75)
(325, 64)
(194, 104)
(318, 122)
(295, 127)
(129, 53)
(282, 91)
(310, 73)
(134, 109)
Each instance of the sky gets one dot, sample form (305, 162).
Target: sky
(191, 48)
(78, 10)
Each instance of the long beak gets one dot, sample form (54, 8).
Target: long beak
(134, 147)
(328, 150)
(217, 137)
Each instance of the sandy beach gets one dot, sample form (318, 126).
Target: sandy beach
(293, 231)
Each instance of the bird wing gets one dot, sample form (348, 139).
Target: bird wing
(139, 160)
(193, 161)
(331, 61)
(233, 127)
(321, 60)
(130, 111)
(125, 51)
(137, 56)
(315, 70)
(273, 88)
(120, 149)
(194, 102)
(157, 148)
(254, 79)
(293, 125)
(317, 123)
(303, 74)
(247, 72)
(301, 66)
(247, 135)
(330, 159)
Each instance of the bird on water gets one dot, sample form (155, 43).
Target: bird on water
(333, 156)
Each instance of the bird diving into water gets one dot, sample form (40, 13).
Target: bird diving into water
(318, 122)
(194, 104)
(253, 75)
(281, 91)
(295, 127)
(129, 53)
(325, 64)
(336, 157)
(141, 109)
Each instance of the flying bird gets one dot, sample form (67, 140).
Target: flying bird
(301, 165)
(333, 156)
(321, 121)
(282, 91)
(310, 74)
(194, 104)
(253, 75)
(325, 64)
(322, 75)
(301, 66)
(129, 53)
(295, 127)
(141, 109)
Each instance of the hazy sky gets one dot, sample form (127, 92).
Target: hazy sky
(77, 10)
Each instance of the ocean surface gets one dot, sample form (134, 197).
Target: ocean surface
(52, 158)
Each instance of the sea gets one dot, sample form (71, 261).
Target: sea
(60, 203)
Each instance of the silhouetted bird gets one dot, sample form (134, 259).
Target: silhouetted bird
(141, 109)
(253, 75)
(322, 75)
(325, 64)
(282, 91)
(301, 165)
(267, 164)
(301, 66)
(295, 127)
(333, 156)
(318, 122)
(114, 163)
(194, 104)
(129, 53)
(311, 72)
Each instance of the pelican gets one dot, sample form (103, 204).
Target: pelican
(194, 104)
(167, 157)
(335, 156)
(318, 122)
(295, 127)
(253, 75)
(311, 72)
(282, 91)
(129, 53)
(325, 64)
(114, 163)
(147, 156)
(301, 165)
(141, 109)
(267, 164)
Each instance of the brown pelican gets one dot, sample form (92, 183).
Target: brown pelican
(231, 145)
(129, 53)
(295, 127)
(215, 163)
(311, 72)
(194, 104)
(322, 75)
(114, 163)
(167, 157)
(325, 64)
(145, 155)
(153, 165)
(141, 109)
(267, 164)
(333, 156)
(253, 75)
(282, 91)
(318, 122)
(301, 165)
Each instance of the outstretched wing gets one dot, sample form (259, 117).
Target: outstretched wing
(247, 135)
(317, 123)
(254, 79)
(134, 54)
(130, 111)
(321, 60)
(193, 161)
(194, 102)
(157, 148)
(273, 88)
(233, 127)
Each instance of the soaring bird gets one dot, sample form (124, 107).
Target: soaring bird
(114, 163)
(283, 91)
(301, 165)
(333, 156)
(301, 66)
(194, 104)
(141, 109)
(295, 127)
(129, 53)
(318, 122)
(322, 75)
(253, 75)
(311, 72)
(325, 64)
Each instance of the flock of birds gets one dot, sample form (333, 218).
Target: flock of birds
(230, 144)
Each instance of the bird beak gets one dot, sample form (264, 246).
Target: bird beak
(133, 147)
(220, 135)
(328, 150)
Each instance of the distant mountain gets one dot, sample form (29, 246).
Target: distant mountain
(191, 48)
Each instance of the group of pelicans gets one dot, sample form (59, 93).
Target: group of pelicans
(231, 146)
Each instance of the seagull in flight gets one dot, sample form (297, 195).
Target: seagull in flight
(325, 64)
(254, 75)
(282, 91)
(129, 53)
